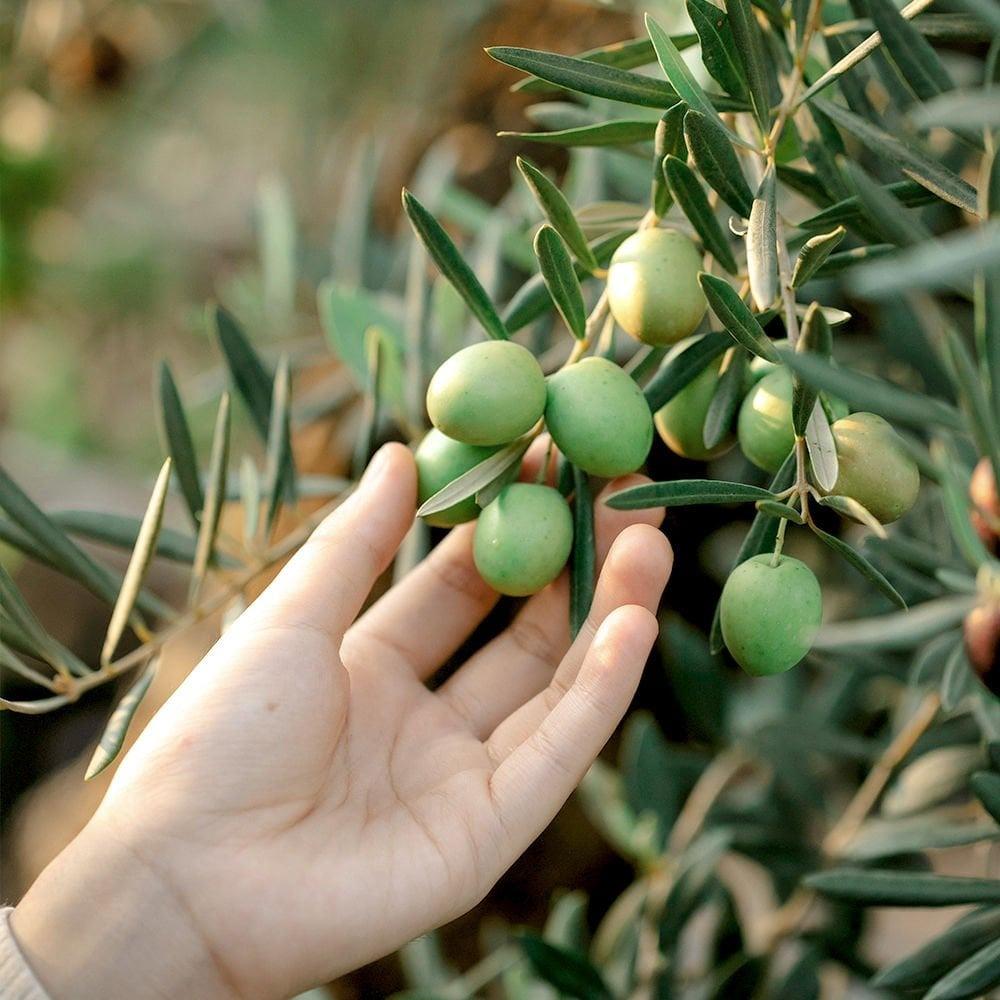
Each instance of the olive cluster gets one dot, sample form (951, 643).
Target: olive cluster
(488, 395)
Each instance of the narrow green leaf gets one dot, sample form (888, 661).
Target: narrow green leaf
(178, 442)
(850, 209)
(910, 159)
(865, 392)
(821, 447)
(684, 492)
(762, 247)
(838, 262)
(975, 977)
(276, 243)
(749, 44)
(477, 478)
(561, 280)
(684, 367)
(558, 211)
(612, 133)
(451, 264)
(918, 63)
(814, 253)
(886, 838)
(726, 400)
(870, 887)
(583, 566)
(849, 507)
(961, 109)
(690, 196)
(718, 47)
(744, 327)
(899, 629)
(250, 497)
(814, 338)
(279, 442)
(113, 737)
(249, 376)
(682, 79)
(586, 77)
(862, 565)
(717, 162)
(939, 956)
(773, 508)
(957, 679)
(215, 493)
(138, 565)
(986, 786)
(668, 141)
(567, 971)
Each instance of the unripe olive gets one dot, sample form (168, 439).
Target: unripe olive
(489, 393)
(981, 631)
(985, 503)
(874, 468)
(523, 539)
(770, 614)
(653, 288)
(681, 422)
(441, 460)
(765, 427)
(599, 418)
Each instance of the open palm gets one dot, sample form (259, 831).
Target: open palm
(312, 804)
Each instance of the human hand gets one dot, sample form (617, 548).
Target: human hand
(304, 803)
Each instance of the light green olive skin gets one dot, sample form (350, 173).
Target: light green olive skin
(487, 394)
(874, 468)
(523, 539)
(599, 418)
(441, 460)
(681, 422)
(653, 288)
(764, 427)
(770, 614)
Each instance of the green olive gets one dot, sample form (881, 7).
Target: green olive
(489, 393)
(599, 418)
(874, 468)
(523, 539)
(653, 288)
(681, 422)
(765, 422)
(770, 614)
(441, 460)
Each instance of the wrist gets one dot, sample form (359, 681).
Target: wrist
(102, 921)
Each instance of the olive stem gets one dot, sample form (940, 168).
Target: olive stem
(779, 542)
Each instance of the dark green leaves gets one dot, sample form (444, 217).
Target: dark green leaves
(684, 367)
(114, 734)
(912, 160)
(623, 55)
(250, 378)
(690, 195)
(726, 399)
(279, 442)
(718, 48)
(452, 265)
(750, 46)
(761, 240)
(568, 971)
(975, 977)
(717, 162)
(561, 280)
(986, 785)
(681, 493)
(557, 210)
(736, 317)
(867, 887)
(918, 63)
(862, 565)
(814, 253)
(476, 479)
(584, 558)
(612, 133)
(178, 442)
(814, 338)
(588, 77)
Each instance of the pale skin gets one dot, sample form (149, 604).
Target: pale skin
(305, 803)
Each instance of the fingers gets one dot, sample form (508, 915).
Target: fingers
(325, 584)
(520, 662)
(531, 785)
(432, 611)
(636, 571)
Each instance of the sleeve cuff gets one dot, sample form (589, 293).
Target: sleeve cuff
(17, 981)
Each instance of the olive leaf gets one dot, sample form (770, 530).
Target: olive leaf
(561, 280)
(849, 507)
(477, 478)
(718, 47)
(279, 442)
(138, 566)
(773, 508)
(683, 492)
(872, 887)
(960, 109)
(726, 400)
(987, 789)
(558, 211)
(814, 253)
(954, 500)
(822, 447)
(918, 63)
(690, 196)
(565, 970)
(668, 141)
(974, 977)
(957, 679)
(114, 734)
(612, 133)
(684, 367)
(178, 442)
(717, 162)
(862, 565)
(838, 262)
(249, 376)
(736, 317)
(215, 492)
(850, 209)
(898, 629)
(584, 558)
(276, 243)
(761, 240)
(749, 45)
(367, 438)
(814, 338)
